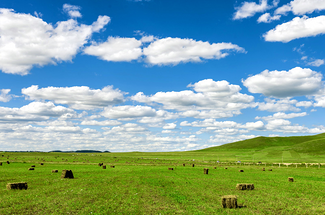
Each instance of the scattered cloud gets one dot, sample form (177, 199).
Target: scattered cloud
(281, 115)
(4, 97)
(274, 105)
(301, 7)
(128, 111)
(207, 95)
(267, 18)
(249, 9)
(80, 98)
(280, 84)
(316, 63)
(116, 49)
(72, 10)
(299, 27)
(27, 41)
(172, 51)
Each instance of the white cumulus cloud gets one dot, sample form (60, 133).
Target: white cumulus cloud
(267, 18)
(249, 9)
(128, 111)
(26, 40)
(116, 49)
(176, 50)
(300, 7)
(299, 27)
(295, 82)
(78, 97)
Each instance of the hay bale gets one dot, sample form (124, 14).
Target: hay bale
(104, 166)
(206, 171)
(100, 164)
(263, 169)
(67, 174)
(30, 168)
(290, 179)
(229, 201)
(16, 186)
(192, 165)
(245, 186)
(55, 170)
(8, 162)
(112, 166)
(170, 168)
(240, 170)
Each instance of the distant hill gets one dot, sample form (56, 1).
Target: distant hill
(80, 151)
(314, 144)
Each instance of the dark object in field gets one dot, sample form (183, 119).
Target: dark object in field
(41, 164)
(226, 168)
(20, 186)
(192, 165)
(100, 164)
(112, 166)
(8, 162)
(229, 201)
(245, 186)
(104, 166)
(67, 174)
(241, 170)
(206, 171)
(215, 167)
(170, 168)
(263, 169)
(183, 164)
(0, 163)
(30, 168)
(270, 169)
(290, 179)
(55, 170)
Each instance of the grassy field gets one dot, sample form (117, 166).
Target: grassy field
(141, 183)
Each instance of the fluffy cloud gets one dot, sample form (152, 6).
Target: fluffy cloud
(4, 97)
(248, 9)
(72, 10)
(176, 50)
(300, 7)
(273, 105)
(267, 18)
(280, 84)
(296, 28)
(128, 111)
(281, 115)
(26, 40)
(81, 98)
(170, 126)
(35, 111)
(101, 123)
(116, 49)
(209, 95)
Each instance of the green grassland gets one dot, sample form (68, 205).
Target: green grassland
(141, 183)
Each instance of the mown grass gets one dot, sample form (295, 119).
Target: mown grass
(146, 186)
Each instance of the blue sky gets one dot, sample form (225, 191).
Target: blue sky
(158, 75)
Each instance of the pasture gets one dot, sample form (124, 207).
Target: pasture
(141, 183)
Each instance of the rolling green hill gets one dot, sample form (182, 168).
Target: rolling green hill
(276, 149)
